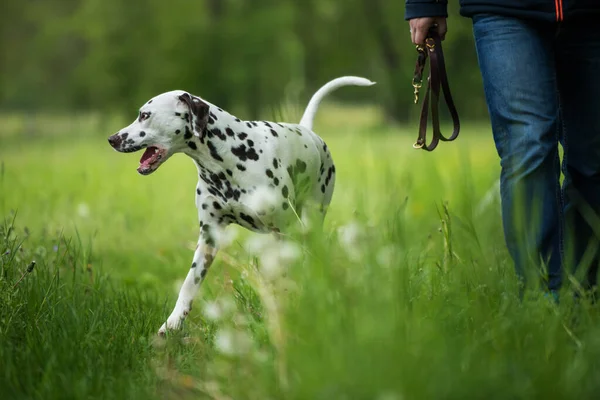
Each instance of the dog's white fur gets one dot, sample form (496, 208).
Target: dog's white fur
(236, 159)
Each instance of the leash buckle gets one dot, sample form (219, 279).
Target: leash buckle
(417, 84)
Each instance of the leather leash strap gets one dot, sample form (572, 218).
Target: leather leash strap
(437, 79)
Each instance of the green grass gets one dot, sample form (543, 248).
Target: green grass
(407, 294)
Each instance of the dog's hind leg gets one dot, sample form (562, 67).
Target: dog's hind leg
(206, 250)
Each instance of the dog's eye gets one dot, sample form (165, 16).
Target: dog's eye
(144, 116)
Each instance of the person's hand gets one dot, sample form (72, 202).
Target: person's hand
(419, 27)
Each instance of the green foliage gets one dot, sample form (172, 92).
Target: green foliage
(407, 293)
(246, 56)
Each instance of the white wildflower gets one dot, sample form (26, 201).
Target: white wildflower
(83, 210)
(212, 311)
(263, 200)
(257, 244)
(225, 236)
(349, 237)
(231, 343)
(385, 256)
(273, 260)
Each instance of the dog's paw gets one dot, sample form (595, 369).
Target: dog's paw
(172, 324)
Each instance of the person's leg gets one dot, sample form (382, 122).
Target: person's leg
(517, 64)
(578, 75)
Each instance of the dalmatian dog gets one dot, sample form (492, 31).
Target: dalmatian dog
(236, 160)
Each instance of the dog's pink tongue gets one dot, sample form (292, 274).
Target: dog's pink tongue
(147, 156)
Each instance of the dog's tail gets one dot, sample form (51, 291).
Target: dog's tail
(313, 104)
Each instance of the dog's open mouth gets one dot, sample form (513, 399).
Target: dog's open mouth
(151, 160)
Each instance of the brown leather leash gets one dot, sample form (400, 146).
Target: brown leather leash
(437, 79)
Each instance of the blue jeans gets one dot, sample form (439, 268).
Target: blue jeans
(542, 87)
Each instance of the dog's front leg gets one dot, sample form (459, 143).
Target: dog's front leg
(204, 255)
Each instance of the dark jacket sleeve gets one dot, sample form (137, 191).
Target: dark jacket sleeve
(426, 8)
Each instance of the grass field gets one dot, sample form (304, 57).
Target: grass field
(407, 294)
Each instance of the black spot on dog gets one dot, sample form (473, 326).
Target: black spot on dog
(192, 145)
(149, 102)
(238, 120)
(248, 124)
(214, 178)
(229, 132)
(177, 132)
(274, 133)
(244, 154)
(242, 136)
(267, 124)
(213, 151)
(305, 146)
(322, 188)
(217, 132)
(204, 206)
(198, 191)
(203, 273)
(275, 163)
(229, 172)
(193, 265)
(188, 133)
(178, 114)
(254, 124)
(197, 280)
(276, 181)
(329, 174)
(216, 205)
(142, 134)
(285, 206)
(186, 116)
(284, 191)
(240, 167)
(248, 219)
(213, 116)
(300, 166)
(125, 136)
(269, 173)
(211, 121)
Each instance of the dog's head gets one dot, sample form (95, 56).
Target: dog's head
(165, 125)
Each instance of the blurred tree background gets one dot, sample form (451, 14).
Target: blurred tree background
(244, 55)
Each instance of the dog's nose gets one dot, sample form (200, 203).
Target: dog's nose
(115, 140)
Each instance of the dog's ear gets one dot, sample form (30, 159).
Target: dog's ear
(198, 109)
